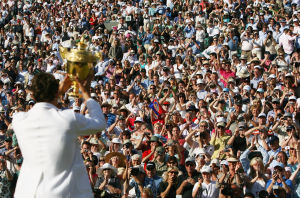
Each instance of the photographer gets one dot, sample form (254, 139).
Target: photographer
(278, 179)
(118, 126)
(140, 181)
(128, 149)
(160, 160)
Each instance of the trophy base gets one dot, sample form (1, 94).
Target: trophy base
(74, 95)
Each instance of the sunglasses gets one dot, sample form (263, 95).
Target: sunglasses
(189, 164)
(221, 127)
(174, 172)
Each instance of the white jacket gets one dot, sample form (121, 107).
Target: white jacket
(53, 166)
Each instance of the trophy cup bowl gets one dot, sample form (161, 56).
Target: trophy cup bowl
(79, 62)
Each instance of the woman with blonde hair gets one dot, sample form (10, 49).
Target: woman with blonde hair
(257, 175)
(170, 183)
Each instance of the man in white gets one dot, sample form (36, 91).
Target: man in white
(205, 187)
(287, 40)
(53, 166)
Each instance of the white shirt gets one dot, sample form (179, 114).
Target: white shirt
(53, 166)
(208, 190)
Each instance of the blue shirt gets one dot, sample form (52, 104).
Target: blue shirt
(189, 31)
(233, 45)
(111, 119)
(153, 184)
(288, 183)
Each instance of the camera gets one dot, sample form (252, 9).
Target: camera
(127, 145)
(135, 171)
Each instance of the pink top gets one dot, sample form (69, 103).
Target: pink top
(226, 75)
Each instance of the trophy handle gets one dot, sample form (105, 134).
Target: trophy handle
(63, 51)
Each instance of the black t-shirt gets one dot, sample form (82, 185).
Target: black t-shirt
(239, 144)
(188, 189)
(172, 193)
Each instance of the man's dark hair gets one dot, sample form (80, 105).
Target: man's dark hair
(44, 87)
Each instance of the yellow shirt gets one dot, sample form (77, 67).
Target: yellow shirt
(219, 145)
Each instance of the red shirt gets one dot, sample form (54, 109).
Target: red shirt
(146, 153)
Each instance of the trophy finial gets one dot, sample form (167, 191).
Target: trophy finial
(82, 44)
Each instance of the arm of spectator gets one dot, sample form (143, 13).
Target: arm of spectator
(264, 153)
(232, 138)
(112, 127)
(189, 137)
(140, 142)
(181, 187)
(145, 159)
(286, 142)
(295, 173)
(274, 128)
(212, 105)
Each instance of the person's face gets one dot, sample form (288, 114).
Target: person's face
(274, 145)
(135, 162)
(153, 144)
(107, 173)
(116, 146)
(256, 166)
(115, 160)
(173, 174)
(172, 163)
(190, 167)
(105, 110)
(262, 120)
(232, 166)
(280, 157)
(150, 173)
(206, 176)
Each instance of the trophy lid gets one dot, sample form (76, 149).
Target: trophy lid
(79, 54)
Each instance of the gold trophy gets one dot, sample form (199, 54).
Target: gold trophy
(79, 63)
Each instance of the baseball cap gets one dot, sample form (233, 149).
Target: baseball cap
(116, 141)
(190, 159)
(232, 159)
(287, 114)
(224, 162)
(273, 139)
(154, 139)
(138, 119)
(206, 169)
(262, 115)
(150, 166)
(260, 90)
(127, 141)
(200, 81)
(292, 98)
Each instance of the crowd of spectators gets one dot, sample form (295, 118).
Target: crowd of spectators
(201, 97)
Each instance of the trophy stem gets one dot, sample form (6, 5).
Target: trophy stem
(75, 90)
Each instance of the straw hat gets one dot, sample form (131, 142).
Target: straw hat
(122, 158)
